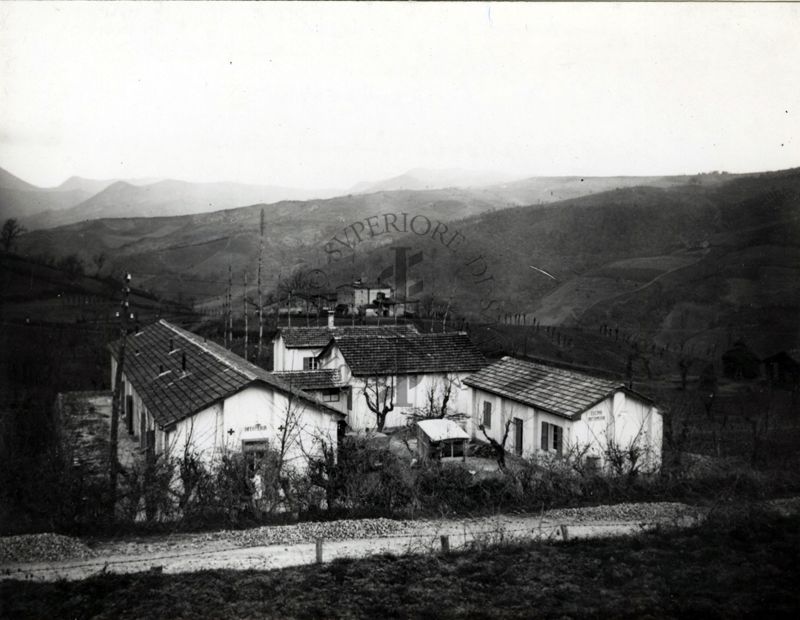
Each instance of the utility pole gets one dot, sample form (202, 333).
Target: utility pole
(244, 303)
(117, 398)
(260, 300)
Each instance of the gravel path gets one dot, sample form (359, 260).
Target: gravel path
(48, 557)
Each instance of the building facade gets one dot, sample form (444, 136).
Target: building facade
(183, 394)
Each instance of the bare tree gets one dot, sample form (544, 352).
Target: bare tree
(499, 447)
(301, 284)
(11, 230)
(438, 397)
(379, 392)
(99, 260)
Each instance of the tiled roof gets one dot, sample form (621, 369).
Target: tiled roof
(317, 337)
(310, 379)
(563, 392)
(212, 373)
(409, 354)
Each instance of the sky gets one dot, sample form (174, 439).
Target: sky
(327, 95)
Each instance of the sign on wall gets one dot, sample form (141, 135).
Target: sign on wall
(598, 415)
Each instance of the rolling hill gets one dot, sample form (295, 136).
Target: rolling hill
(687, 259)
(694, 264)
(166, 197)
(427, 178)
(189, 255)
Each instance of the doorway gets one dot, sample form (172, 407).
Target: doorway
(517, 436)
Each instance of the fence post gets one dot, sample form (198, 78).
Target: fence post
(564, 533)
(319, 550)
(445, 544)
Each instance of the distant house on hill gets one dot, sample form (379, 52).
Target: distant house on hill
(783, 369)
(372, 300)
(551, 411)
(183, 393)
(739, 362)
(398, 371)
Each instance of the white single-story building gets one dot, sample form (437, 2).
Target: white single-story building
(401, 370)
(183, 393)
(554, 411)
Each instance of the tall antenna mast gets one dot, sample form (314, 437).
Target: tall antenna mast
(260, 300)
(244, 304)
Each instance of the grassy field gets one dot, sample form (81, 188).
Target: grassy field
(745, 567)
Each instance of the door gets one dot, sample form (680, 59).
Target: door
(518, 437)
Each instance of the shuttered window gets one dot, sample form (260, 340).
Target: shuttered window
(552, 438)
(487, 414)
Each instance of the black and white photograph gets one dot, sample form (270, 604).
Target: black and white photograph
(399, 310)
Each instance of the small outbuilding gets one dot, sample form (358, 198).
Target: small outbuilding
(441, 438)
(783, 369)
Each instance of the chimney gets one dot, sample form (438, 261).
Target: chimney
(170, 344)
(330, 319)
(161, 369)
(183, 361)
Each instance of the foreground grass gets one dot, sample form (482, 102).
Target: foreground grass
(747, 567)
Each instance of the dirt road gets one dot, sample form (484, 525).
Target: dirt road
(241, 550)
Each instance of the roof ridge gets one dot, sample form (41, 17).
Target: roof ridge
(565, 371)
(193, 338)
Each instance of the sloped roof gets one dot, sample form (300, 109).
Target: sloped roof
(562, 392)
(442, 430)
(310, 379)
(409, 354)
(316, 337)
(212, 373)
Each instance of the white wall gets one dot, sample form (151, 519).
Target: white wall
(503, 410)
(208, 433)
(139, 409)
(411, 392)
(284, 358)
(625, 419)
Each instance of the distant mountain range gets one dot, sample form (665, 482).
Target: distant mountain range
(79, 199)
(426, 178)
(690, 259)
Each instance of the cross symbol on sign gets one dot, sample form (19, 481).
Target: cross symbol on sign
(230, 431)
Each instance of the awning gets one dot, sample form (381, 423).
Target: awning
(442, 430)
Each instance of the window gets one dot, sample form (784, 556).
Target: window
(552, 438)
(254, 453)
(330, 396)
(310, 363)
(487, 414)
(349, 399)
